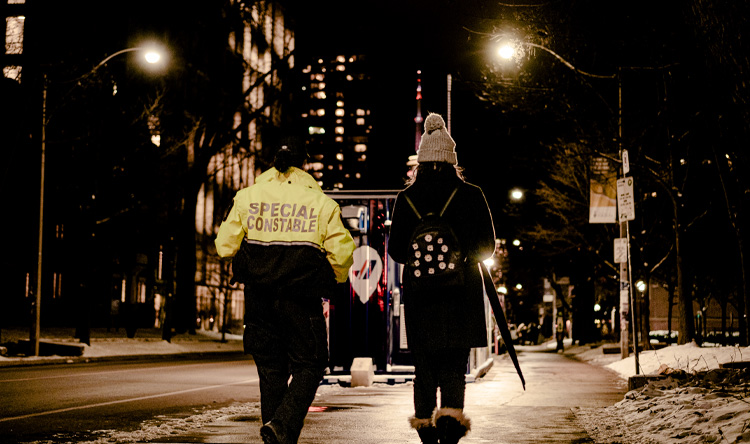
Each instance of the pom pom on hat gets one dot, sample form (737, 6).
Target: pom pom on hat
(436, 144)
(433, 122)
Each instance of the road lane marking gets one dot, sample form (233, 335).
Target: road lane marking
(122, 401)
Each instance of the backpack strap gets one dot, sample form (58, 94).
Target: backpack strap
(445, 207)
(448, 202)
(411, 204)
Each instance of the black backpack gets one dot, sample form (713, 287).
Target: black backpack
(435, 257)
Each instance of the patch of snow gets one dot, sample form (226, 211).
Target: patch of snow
(664, 413)
(688, 357)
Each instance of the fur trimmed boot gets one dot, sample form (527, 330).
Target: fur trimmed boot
(451, 424)
(426, 431)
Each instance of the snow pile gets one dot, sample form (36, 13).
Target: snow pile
(696, 402)
(689, 357)
(163, 426)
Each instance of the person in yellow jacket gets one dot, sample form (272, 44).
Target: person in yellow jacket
(290, 248)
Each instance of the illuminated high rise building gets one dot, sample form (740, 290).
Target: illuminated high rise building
(336, 106)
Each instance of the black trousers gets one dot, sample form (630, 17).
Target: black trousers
(445, 368)
(287, 338)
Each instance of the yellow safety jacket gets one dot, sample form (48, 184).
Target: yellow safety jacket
(289, 233)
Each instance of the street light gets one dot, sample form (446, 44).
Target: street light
(516, 194)
(511, 49)
(508, 50)
(152, 56)
(641, 286)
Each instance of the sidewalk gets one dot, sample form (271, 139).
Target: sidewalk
(500, 410)
(115, 345)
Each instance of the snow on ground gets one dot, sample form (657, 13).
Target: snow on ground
(688, 357)
(715, 409)
(164, 426)
(202, 342)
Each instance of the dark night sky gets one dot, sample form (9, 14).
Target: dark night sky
(403, 37)
(438, 37)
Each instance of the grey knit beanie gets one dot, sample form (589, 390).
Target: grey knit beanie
(436, 144)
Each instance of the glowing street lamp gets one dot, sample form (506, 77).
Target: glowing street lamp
(152, 56)
(641, 286)
(506, 51)
(516, 194)
(509, 50)
(625, 268)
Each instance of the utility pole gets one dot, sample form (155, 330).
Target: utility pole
(627, 298)
(37, 317)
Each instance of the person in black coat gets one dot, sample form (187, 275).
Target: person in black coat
(442, 325)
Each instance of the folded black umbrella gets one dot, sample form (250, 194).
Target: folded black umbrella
(502, 323)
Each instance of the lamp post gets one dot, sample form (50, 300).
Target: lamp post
(508, 51)
(151, 56)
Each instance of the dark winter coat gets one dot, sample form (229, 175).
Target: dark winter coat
(452, 316)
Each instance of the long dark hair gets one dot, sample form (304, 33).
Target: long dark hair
(434, 169)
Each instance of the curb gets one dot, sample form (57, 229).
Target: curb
(57, 360)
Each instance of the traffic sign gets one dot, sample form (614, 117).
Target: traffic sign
(365, 272)
(625, 199)
(621, 250)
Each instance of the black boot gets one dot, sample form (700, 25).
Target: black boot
(451, 425)
(427, 433)
(272, 433)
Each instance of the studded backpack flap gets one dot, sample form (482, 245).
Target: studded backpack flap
(435, 257)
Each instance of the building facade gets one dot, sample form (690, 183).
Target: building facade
(266, 43)
(336, 108)
(103, 264)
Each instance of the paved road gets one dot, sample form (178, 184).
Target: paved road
(69, 401)
(501, 411)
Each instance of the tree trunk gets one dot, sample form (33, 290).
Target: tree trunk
(743, 299)
(185, 311)
(645, 322)
(670, 304)
(687, 329)
(724, 303)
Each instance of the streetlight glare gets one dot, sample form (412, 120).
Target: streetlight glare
(641, 286)
(489, 262)
(506, 51)
(516, 194)
(152, 57)
(516, 242)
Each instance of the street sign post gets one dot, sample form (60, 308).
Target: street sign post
(621, 250)
(625, 201)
